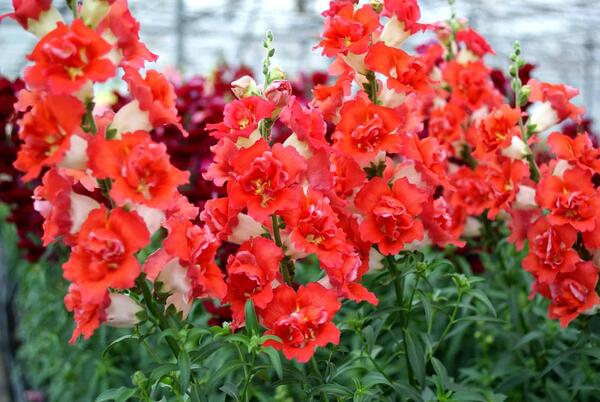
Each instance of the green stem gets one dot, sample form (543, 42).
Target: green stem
(451, 323)
(399, 290)
(372, 87)
(287, 265)
(248, 378)
(315, 366)
(153, 308)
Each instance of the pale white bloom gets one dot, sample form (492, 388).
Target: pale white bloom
(93, 11)
(393, 33)
(81, 206)
(122, 311)
(543, 116)
(561, 167)
(131, 118)
(472, 227)
(45, 23)
(244, 86)
(300, 146)
(525, 198)
(517, 149)
(76, 157)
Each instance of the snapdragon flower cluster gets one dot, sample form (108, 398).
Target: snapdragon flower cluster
(401, 152)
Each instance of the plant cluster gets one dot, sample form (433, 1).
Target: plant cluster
(386, 178)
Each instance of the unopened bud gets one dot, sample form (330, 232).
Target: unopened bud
(279, 92)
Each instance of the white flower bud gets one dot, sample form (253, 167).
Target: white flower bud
(122, 311)
(131, 118)
(76, 157)
(45, 23)
(300, 146)
(94, 11)
(393, 33)
(81, 206)
(246, 229)
(561, 167)
(543, 117)
(244, 87)
(517, 150)
(525, 198)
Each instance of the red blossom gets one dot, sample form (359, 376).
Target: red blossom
(365, 129)
(155, 95)
(250, 275)
(45, 129)
(550, 251)
(572, 293)
(87, 315)
(241, 117)
(67, 58)
(139, 168)
(390, 214)
(405, 73)
(302, 320)
(267, 179)
(103, 256)
(572, 199)
(348, 30)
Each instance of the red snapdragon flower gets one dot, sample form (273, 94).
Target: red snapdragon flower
(496, 130)
(407, 12)
(572, 199)
(344, 278)
(250, 275)
(348, 30)
(471, 84)
(405, 73)
(139, 167)
(88, 316)
(302, 320)
(559, 96)
(120, 23)
(314, 228)
(241, 117)
(365, 129)
(64, 210)
(103, 256)
(474, 42)
(266, 179)
(579, 151)
(67, 58)
(505, 180)
(26, 10)
(444, 222)
(572, 293)
(390, 214)
(196, 248)
(45, 129)
(550, 251)
(155, 95)
(473, 192)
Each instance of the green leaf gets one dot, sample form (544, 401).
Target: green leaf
(416, 357)
(275, 361)
(374, 378)
(441, 372)
(224, 370)
(231, 389)
(116, 394)
(528, 338)
(479, 295)
(251, 320)
(332, 389)
(185, 371)
(116, 341)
